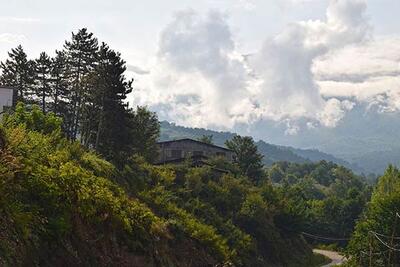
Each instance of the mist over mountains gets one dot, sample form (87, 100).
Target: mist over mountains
(272, 153)
(367, 137)
(366, 140)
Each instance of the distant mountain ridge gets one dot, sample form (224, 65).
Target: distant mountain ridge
(272, 153)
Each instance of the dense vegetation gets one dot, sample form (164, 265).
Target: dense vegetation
(327, 198)
(63, 205)
(85, 84)
(376, 238)
(78, 187)
(59, 205)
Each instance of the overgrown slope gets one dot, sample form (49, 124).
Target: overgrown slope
(61, 205)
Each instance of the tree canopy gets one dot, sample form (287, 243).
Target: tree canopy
(247, 156)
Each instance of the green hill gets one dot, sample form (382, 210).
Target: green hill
(62, 205)
(272, 153)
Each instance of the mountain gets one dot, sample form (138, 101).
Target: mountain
(272, 153)
(367, 137)
(377, 161)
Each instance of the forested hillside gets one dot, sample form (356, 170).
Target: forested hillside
(78, 186)
(375, 241)
(272, 153)
(62, 204)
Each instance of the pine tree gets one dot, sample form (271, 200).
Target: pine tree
(105, 125)
(61, 92)
(43, 80)
(18, 71)
(81, 54)
(247, 156)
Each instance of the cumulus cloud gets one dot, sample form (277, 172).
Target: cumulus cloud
(334, 111)
(11, 38)
(373, 77)
(197, 57)
(199, 78)
(285, 63)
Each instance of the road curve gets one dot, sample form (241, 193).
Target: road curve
(336, 258)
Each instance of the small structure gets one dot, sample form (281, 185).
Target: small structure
(178, 150)
(7, 98)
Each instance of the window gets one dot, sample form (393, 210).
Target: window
(176, 153)
(221, 154)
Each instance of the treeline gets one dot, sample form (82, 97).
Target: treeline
(62, 205)
(84, 83)
(327, 199)
(57, 194)
(376, 239)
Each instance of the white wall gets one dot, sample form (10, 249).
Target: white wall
(6, 98)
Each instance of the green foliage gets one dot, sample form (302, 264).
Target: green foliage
(180, 220)
(247, 157)
(85, 84)
(53, 191)
(208, 139)
(105, 121)
(226, 213)
(3, 140)
(381, 219)
(56, 195)
(144, 132)
(34, 120)
(43, 79)
(325, 199)
(18, 71)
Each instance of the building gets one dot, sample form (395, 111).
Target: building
(179, 150)
(7, 98)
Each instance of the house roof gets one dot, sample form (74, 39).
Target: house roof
(195, 141)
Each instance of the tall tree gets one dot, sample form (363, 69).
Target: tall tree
(105, 117)
(81, 53)
(61, 91)
(43, 80)
(247, 156)
(145, 130)
(18, 71)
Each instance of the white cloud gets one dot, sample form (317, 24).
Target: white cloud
(197, 57)
(298, 77)
(284, 64)
(334, 111)
(291, 128)
(362, 71)
(12, 38)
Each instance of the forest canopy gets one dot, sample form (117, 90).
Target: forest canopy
(78, 187)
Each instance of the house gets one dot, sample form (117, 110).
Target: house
(7, 98)
(178, 150)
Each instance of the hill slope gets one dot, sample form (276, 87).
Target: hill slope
(272, 153)
(62, 205)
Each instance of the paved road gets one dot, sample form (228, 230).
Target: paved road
(336, 258)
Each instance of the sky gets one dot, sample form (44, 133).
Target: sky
(236, 65)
